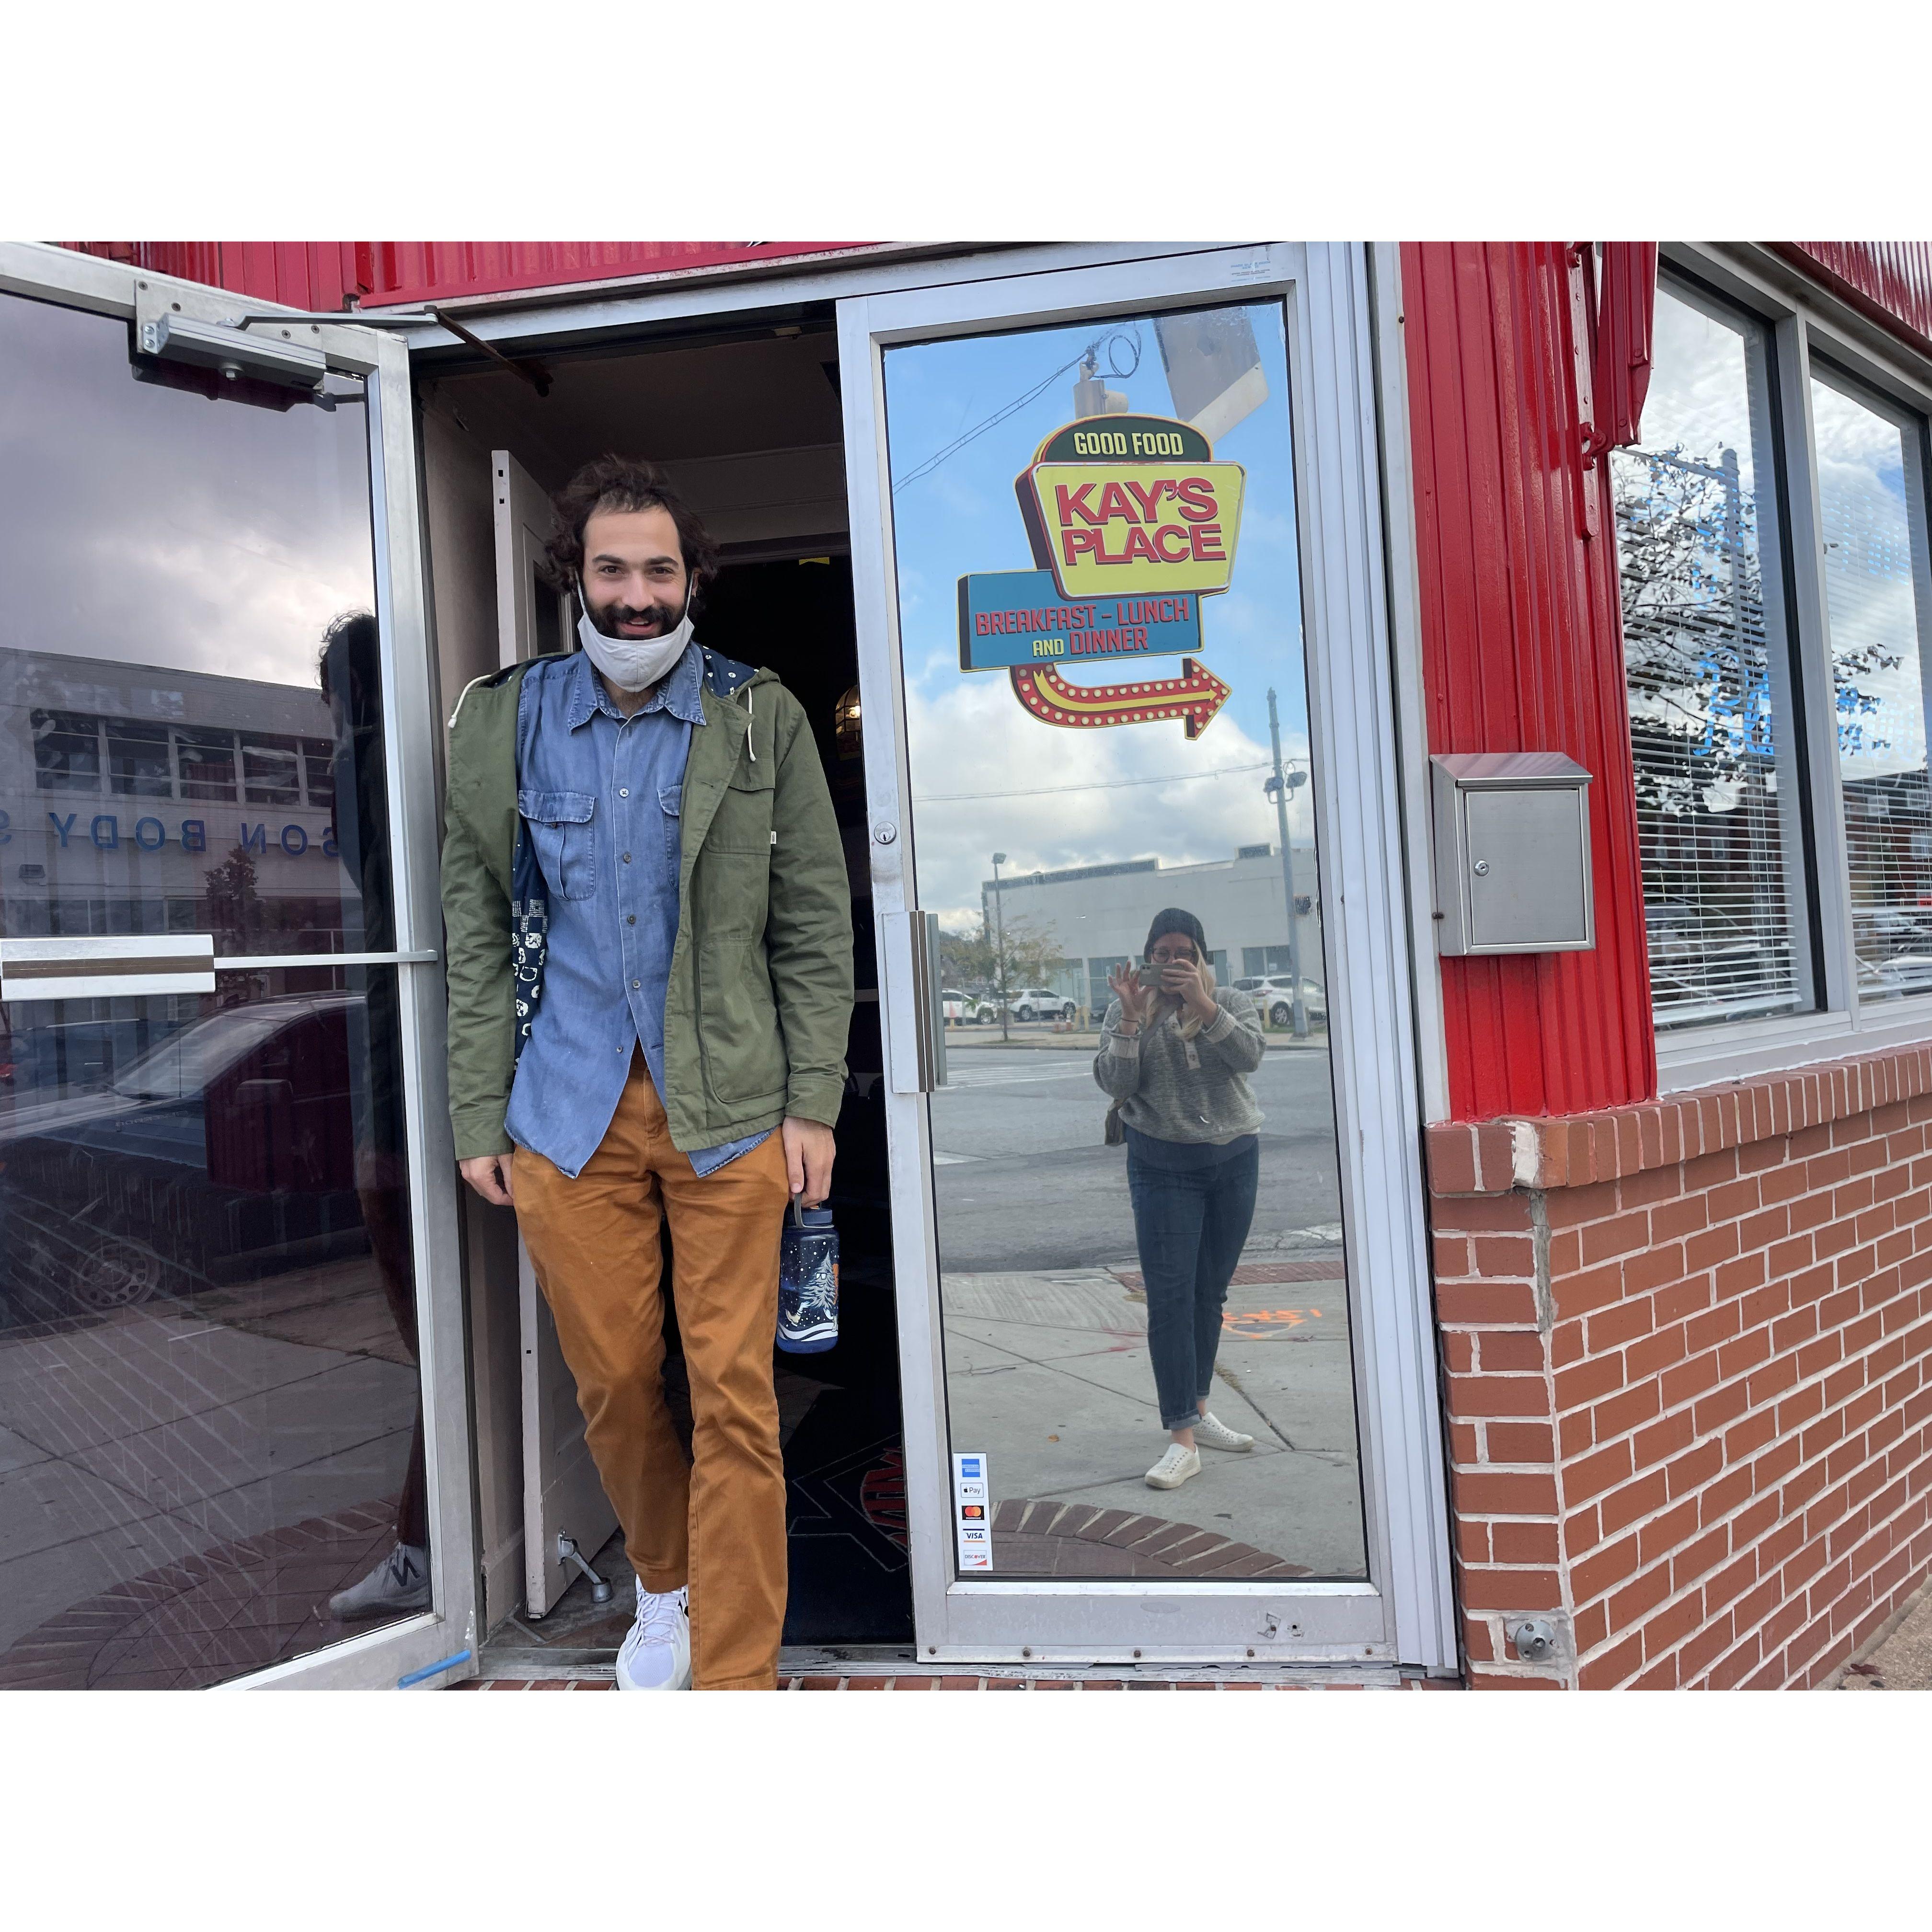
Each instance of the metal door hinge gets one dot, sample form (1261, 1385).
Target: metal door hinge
(1589, 446)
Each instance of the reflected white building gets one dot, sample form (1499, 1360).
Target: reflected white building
(129, 783)
(1099, 914)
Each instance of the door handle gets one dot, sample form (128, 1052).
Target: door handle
(931, 1009)
(123, 966)
(914, 1018)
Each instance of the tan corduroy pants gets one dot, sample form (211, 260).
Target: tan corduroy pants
(718, 1522)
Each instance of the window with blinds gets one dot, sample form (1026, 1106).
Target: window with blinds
(1871, 498)
(1707, 666)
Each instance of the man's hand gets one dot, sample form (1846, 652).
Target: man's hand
(809, 1148)
(489, 1175)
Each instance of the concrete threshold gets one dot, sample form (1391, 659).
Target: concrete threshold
(512, 1658)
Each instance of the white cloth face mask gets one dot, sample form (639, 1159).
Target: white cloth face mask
(633, 664)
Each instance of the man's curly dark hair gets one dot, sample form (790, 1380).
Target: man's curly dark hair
(619, 483)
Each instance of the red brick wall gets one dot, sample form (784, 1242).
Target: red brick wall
(1687, 1348)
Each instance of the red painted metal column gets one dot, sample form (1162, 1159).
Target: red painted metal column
(1523, 650)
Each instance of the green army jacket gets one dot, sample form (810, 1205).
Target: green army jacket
(759, 1001)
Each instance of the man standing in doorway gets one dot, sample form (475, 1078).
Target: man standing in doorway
(650, 984)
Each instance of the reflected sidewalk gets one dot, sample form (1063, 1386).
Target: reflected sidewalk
(1038, 1037)
(1048, 1374)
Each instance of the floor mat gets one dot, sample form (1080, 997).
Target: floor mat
(846, 1522)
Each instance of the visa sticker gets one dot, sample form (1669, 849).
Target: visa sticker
(972, 1510)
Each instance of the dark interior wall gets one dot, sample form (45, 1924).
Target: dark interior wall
(792, 613)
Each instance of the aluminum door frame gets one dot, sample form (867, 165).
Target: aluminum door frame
(379, 1658)
(563, 1495)
(1404, 1613)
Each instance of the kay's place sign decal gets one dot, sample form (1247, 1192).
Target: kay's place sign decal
(1131, 506)
(1132, 522)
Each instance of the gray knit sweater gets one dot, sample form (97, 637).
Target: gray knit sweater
(1161, 1095)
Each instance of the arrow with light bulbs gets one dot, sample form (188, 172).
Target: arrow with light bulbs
(1195, 697)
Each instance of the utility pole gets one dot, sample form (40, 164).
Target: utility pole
(1278, 786)
(1767, 899)
(1000, 942)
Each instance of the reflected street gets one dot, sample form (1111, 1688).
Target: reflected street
(1136, 1184)
(1050, 1360)
(1024, 1181)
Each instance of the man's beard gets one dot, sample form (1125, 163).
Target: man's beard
(607, 619)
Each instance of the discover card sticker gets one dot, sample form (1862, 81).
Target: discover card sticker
(972, 1511)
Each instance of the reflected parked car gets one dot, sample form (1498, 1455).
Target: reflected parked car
(1903, 974)
(1895, 929)
(1038, 1003)
(1274, 994)
(227, 1152)
(961, 1009)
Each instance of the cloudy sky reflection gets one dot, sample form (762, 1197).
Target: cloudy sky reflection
(998, 779)
(1874, 585)
(151, 526)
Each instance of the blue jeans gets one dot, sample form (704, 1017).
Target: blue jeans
(1192, 1208)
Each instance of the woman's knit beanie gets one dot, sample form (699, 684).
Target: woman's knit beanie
(1174, 919)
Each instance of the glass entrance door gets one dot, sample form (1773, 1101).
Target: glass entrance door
(217, 1315)
(1158, 1218)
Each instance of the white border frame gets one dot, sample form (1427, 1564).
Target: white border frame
(1802, 315)
(376, 1659)
(1405, 1612)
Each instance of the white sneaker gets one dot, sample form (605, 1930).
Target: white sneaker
(656, 1655)
(1174, 1468)
(399, 1583)
(1210, 1433)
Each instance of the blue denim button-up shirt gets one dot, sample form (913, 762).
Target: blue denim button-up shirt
(599, 794)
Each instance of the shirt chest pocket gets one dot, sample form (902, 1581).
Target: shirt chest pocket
(668, 798)
(562, 828)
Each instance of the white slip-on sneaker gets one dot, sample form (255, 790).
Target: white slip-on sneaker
(1174, 1468)
(1211, 1433)
(399, 1583)
(656, 1655)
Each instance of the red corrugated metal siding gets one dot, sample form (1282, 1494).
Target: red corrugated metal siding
(301, 274)
(1522, 648)
(420, 271)
(1894, 278)
(320, 274)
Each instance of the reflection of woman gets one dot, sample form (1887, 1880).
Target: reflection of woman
(1176, 1056)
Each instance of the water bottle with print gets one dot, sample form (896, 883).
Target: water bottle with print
(807, 1281)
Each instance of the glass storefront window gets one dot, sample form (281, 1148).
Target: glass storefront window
(1707, 665)
(1871, 494)
(211, 1432)
(209, 1422)
(1095, 534)
(185, 628)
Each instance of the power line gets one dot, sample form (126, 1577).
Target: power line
(1019, 403)
(998, 416)
(1101, 784)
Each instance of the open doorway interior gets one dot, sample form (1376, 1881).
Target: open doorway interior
(747, 423)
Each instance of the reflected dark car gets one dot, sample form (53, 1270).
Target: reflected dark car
(225, 1153)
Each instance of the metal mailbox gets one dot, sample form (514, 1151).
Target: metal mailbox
(1512, 852)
